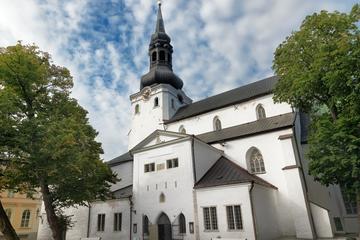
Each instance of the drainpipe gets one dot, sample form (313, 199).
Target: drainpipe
(252, 208)
(88, 223)
(131, 211)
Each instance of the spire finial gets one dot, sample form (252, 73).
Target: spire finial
(159, 22)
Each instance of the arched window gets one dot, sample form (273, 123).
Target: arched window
(217, 124)
(255, 161)
(153, 57)
(156, 102)
(182, 129)
(25, 219)
(162, 55)
(260, 112)
(162, 197)
(182, 223)
(145, 225)
(137, 109)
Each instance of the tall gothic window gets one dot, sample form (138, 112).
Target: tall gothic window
(217, 124)
(182, 223)
(255, 161)
(260, 112)
(145, 225)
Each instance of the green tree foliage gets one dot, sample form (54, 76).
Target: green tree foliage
(319, 70)
(46, 141)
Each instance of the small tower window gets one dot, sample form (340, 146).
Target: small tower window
(217, 124)
(182, 129)
(172, 104)
(156, 102)
(260, 112)
(137, 109)
(181, 99)
(169, 58)
(162, 55)
(162, 197)
(153, 57)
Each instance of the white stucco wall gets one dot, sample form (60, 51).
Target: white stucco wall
(321, 221)
(109, 208)
(231, 115)
(221, 197)
(149, 117)
(175, 183)
(266, 211)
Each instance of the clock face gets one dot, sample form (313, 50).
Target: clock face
(146, 94)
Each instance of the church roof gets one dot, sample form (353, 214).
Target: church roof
(234, 96)
(225, 172)
(126, 157)
(124, 192)
(260, 126)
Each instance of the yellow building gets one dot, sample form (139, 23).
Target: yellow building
(23, 213)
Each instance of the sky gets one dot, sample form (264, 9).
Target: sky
(218, 45)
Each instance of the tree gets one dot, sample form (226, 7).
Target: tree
(46, 139)
(319, 70)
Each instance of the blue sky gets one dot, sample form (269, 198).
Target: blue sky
(218, 45)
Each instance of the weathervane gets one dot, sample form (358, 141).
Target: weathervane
(159, 2)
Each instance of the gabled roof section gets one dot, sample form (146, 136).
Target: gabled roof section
(124, 192)
(225, 172)
(235, 96)
(126, 157)
(154, 135)
(252, 128)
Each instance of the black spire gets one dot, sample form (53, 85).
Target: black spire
(160, 53)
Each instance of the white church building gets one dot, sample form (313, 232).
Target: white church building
(231, 166)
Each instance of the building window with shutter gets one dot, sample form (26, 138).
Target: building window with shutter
(117, 221)
(210, 218)
(234, 218)
(101, 223)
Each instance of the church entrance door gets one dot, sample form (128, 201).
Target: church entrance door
(164, 227)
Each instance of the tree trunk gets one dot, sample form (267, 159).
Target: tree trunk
(358, 209)
(53, 220)
(5, 226)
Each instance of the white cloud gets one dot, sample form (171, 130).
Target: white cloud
(218, 45)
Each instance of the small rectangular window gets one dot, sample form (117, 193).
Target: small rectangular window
(234, 218)
(117, 221)
(172, 163)
(191, 227)
(210, 218)
(101, 222)
(149, 167)
(134, 228)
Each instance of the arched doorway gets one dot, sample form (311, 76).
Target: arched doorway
(164, 227)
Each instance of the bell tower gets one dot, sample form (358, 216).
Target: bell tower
(160, 94)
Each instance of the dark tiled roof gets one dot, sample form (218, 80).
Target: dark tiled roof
(225, 172)
(123, 192)
(251, 128)
(126, 157)
(228, 98)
